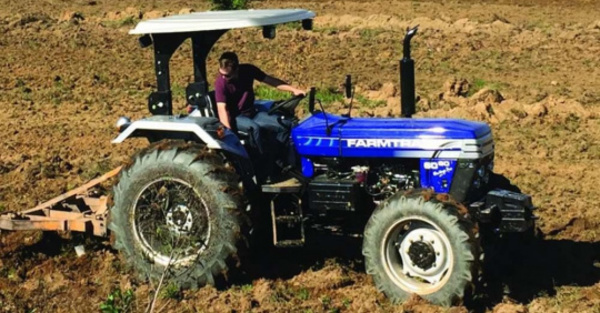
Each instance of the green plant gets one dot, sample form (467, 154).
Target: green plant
(479, 84)
(326, 95)
(230, 4)
(247, 288)
(118, 301)
(346, 302)
(126, 21)
(371, 104)
(329, 95)
(269, 93)
(178, 91)
(303, 294)
(171, 291)
(12, 274)
(369, 33)
(292, 25)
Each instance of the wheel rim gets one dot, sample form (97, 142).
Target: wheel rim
(171, 221)
(417, 255)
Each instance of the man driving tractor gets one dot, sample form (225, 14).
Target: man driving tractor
(234, 95)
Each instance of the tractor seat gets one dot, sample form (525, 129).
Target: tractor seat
(205, 105)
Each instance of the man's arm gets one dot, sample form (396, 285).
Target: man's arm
(221, 99)
(275, 82)
(283, 86)
(223, 114)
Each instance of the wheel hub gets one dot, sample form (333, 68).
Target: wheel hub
(422, 254)
(179, 219)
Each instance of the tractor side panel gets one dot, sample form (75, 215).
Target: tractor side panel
(437, 174)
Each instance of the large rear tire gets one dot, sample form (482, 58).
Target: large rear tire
(421, 243)
(178, 211)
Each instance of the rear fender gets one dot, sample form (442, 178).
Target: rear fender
(189, 128)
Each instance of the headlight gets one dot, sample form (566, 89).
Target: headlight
(481, 171)
(122, 123)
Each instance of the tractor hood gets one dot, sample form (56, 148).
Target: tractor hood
(329, 135)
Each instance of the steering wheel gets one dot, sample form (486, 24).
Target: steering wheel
(286, 107)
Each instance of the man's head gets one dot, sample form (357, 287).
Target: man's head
(228, 65)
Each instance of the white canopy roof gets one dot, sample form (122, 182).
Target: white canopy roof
(214, 20)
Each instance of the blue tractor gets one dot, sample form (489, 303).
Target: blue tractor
(418, 191)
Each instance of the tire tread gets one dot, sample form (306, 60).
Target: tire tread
(227, 195)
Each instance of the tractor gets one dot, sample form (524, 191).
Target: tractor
(420, 192)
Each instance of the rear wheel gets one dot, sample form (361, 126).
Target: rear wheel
(421, 244)
(177, 210)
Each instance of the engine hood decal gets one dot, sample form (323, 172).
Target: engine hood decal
(392, 137)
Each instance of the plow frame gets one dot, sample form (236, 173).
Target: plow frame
(78, 210)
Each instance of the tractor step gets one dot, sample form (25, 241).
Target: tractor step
(290, 219)
(287, 219)
(289, 243)
(291, 185)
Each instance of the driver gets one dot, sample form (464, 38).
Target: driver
(234, 95)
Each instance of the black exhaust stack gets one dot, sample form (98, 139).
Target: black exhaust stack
(407, 77)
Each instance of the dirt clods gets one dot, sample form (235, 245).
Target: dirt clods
(528, 68)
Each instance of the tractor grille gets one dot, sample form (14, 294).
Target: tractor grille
(472, 179)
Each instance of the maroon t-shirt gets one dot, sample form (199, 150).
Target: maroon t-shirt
(238, 93)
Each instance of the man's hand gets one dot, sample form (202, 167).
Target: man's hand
(293, 90)
(298, 92)
(279, 84)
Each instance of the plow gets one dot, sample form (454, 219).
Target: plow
(79, 210)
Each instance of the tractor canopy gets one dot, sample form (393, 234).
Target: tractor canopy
(204, 29)
(220, 20)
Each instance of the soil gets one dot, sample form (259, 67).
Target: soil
(529, 68)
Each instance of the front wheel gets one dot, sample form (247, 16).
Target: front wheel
(421, 244)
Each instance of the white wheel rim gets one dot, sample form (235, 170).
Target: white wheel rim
(428, 276)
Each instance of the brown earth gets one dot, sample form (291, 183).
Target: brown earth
(530, 68)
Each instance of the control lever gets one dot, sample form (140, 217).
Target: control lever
(311, 99)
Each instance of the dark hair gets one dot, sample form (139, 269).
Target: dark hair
(229, 60)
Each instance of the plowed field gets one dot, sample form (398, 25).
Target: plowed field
(530, 68)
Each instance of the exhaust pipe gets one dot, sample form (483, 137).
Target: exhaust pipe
(407, 77)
